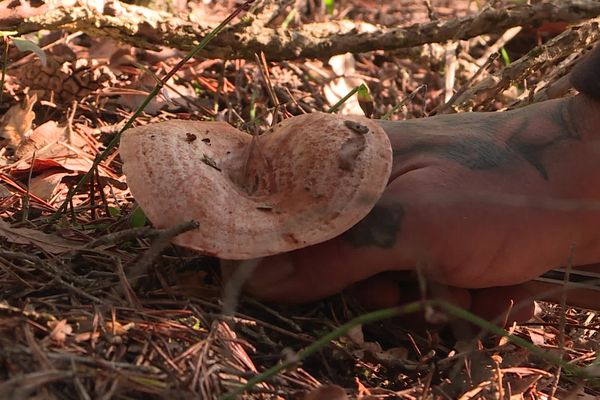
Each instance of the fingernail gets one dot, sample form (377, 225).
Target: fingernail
(271, 271)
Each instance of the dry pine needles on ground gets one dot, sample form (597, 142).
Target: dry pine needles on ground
(98, 304)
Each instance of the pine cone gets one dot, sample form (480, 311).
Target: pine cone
(65, 77)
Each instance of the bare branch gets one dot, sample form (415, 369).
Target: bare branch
(150, 29)
(551, 53)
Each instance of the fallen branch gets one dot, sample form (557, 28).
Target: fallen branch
(569, 42)
(150, 29)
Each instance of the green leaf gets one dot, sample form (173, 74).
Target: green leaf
(138, 218)
(505, 56)
(330, 5)
(114, 211)
(365, 100)
(288, 19)
(25, 45)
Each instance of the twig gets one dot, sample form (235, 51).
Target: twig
(448, 104)
(501, 42)
(145, 28)
(121, 236)
(274, 313)
(4, 66)
(93, 361)
(127, 291)
(563, 320)
(405, 100)
(21, 386)
(25, 215)
(450, 69)
(162, 241)
(548, 54)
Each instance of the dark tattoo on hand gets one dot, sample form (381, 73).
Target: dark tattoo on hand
(379, 228)
(471, 152)
(480, 152)
(532, 151)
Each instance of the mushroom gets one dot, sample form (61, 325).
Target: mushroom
(306, 180)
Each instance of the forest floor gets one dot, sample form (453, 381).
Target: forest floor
(75, 323)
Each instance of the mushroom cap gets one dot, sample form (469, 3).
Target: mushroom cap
(306, 180)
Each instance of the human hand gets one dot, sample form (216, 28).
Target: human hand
(475, 200)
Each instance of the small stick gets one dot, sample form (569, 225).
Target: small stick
(442, 108)
(25, 215)
(160, 244)
(121, 236)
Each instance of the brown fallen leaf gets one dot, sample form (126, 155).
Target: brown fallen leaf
(66, 164)
(43, 140)
(45, 184)
(17, 187)
(474, 393)
(16, 123)
(23, 169)
(343, 66)
(49, 243)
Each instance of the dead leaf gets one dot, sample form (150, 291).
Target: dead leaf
(60, 330)
(43, 140)
(392, 356)
(23, 169)
(343, 66)
(525, 371)
(16, 123)
(172, 96)
(50, 243)
(536, 338)
(520, 385)
(118, 328)
(44, 185)
(85, 336)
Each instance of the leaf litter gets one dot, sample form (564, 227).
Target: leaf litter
(74, 323)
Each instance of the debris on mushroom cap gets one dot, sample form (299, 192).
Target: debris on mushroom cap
(307, 180)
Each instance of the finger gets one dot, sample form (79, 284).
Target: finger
(388, 289)
(502, 305)
(391, 289)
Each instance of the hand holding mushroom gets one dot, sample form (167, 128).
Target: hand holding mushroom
(476, 200)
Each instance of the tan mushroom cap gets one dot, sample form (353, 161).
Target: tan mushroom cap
(307, 180)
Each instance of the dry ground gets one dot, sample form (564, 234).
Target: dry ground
(95, 304)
